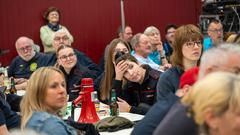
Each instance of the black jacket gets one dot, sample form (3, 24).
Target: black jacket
(74, 79)
(139, 96)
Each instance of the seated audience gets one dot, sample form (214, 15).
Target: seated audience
(45, 96)
(187, 50)
(135, 84)
(142, 48)
(183, 124)
(26, 62)
(73, 71)
(158, 53)
(215, 108)
(52, 17)
(63, 38)
(158, 111)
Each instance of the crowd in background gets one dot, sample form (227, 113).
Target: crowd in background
(186, 85)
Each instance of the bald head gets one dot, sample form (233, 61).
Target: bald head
(222, 58)
(24, 47)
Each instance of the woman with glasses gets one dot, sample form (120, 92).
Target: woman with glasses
(72, 69)
(52, 17)
(187, 50)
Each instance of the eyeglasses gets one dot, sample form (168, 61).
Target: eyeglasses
(64, 38)
(65, 57)
(191, 44)
(27, 48)
(216, 30)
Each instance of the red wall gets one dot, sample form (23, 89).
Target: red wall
(93, 23)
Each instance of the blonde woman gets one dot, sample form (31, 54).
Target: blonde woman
(45, 96)
(216, 108)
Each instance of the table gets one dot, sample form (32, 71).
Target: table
(130, 116)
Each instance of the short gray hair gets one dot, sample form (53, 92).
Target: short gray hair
(151, 29)
(135, 40)
(217, 56)
(62, 31)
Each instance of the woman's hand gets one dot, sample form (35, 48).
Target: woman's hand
(120, 69)
(123, 105)
(160, 48)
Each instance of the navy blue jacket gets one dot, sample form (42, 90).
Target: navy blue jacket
(7, 116)
(176, 122)
(154, 116)
(135, 93)
(168, 82)
(74, 78)
(20, 68)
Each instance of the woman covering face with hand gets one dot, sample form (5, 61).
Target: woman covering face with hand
(135, 85)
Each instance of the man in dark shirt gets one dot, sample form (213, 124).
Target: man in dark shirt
(26, 62)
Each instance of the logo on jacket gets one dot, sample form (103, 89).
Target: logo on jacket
(33, 67)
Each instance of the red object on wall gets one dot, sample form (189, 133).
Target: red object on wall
(93, 23)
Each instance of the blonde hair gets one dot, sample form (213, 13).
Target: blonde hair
(36, 90)
(209, 93)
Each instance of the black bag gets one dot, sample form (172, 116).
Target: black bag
(83, 128)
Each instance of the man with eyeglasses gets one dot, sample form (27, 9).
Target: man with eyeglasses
(215, 33)
(167, 45)
(61, 37)
(26, 62)
(142, 48)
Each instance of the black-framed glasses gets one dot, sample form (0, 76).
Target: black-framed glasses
(65, 57)
(27, 48)
(191, 44)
